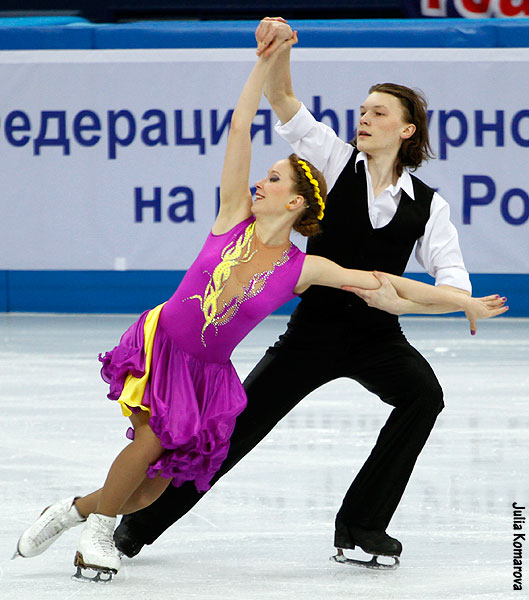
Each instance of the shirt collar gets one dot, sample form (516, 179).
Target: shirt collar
(404, 182)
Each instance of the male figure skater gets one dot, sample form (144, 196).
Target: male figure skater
(376, 214)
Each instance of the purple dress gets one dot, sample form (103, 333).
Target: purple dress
(181, 350)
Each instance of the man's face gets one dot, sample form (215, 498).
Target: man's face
(381, 127)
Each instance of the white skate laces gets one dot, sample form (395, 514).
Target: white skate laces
(52, 523)
(96, 552)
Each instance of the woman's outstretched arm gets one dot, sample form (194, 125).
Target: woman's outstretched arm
(321, 271)
(386, 298)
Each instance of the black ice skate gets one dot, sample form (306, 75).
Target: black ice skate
(126, 543)
(374, 563)
(377, 543)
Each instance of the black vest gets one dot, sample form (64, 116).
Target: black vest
(348, 239)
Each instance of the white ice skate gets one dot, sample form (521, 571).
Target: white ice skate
(97, 559)
(52, 523)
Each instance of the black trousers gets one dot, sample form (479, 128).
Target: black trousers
(308, 355)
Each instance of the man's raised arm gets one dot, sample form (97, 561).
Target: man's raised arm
(278, 87)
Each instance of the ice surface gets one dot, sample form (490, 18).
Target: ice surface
(265, 531)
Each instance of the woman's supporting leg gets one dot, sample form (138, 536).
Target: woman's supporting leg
(126, 490)
(127, 472)
(145, 494)
(96, 550)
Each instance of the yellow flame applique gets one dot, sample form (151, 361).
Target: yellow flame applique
(236, 252)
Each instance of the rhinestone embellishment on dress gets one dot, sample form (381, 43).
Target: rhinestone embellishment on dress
(219, 311)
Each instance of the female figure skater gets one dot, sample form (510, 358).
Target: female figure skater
(171, 371)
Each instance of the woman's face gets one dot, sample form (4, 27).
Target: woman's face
(381, 128)
(275, 190)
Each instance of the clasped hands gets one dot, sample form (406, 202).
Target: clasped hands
(271, 33)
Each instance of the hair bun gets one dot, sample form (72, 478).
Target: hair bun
(307, 228)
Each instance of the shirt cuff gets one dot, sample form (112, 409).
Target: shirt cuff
(298, 126)
(455, 277)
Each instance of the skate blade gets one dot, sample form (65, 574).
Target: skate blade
(17, 553)
(366, 564)
(91, 573)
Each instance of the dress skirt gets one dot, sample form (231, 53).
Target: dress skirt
(192, 404)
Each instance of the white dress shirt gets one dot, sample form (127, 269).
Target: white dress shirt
(437, 251)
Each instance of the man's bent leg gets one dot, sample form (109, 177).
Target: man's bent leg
(400, 376)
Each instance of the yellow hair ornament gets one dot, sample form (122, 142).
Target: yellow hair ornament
(315, 185)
